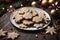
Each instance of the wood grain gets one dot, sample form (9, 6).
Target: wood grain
(24, 35)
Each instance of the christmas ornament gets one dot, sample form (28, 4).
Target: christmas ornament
(50, 30)
(53, 12)
(13, 35)
(2, 33)
(33, 3)
(51, 1)
(44, 3)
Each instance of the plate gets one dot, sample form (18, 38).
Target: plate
(31, 28)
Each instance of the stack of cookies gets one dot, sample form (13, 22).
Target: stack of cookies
(26, 17)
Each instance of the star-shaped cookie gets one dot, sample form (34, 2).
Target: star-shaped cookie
(2, 33)
(12, 35)
(50, 30)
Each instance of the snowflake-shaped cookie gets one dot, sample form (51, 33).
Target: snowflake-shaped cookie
(50, 30)
(13, 35)
(2, 33)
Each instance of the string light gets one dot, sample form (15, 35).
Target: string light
(3, 8)
(21, 5)
(52, 4)
(56, 3)
(56, 8)
(11, 6)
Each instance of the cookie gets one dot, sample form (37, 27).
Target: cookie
(37, 19)
(22, 26)
(18, 18)
(38, 25)
(27, 22)
(28, 15)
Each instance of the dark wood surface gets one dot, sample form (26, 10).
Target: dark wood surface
(24, 35)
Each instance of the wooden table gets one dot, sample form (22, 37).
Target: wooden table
(24, 35)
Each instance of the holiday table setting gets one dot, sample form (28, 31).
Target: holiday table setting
(29, 19)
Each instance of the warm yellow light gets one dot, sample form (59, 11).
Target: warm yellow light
(21, 5)
(58, 6)
(44, 1)
(51, 1)
(11, 6)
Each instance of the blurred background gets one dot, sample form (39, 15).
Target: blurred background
(10, 5)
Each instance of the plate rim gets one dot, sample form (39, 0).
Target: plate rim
(32, 28)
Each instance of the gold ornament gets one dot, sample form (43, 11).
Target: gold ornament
(13, 35)
(44, 3)
(50, 30)
(33, 3)
(2, 33)
(53, 12)
(51, 1)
